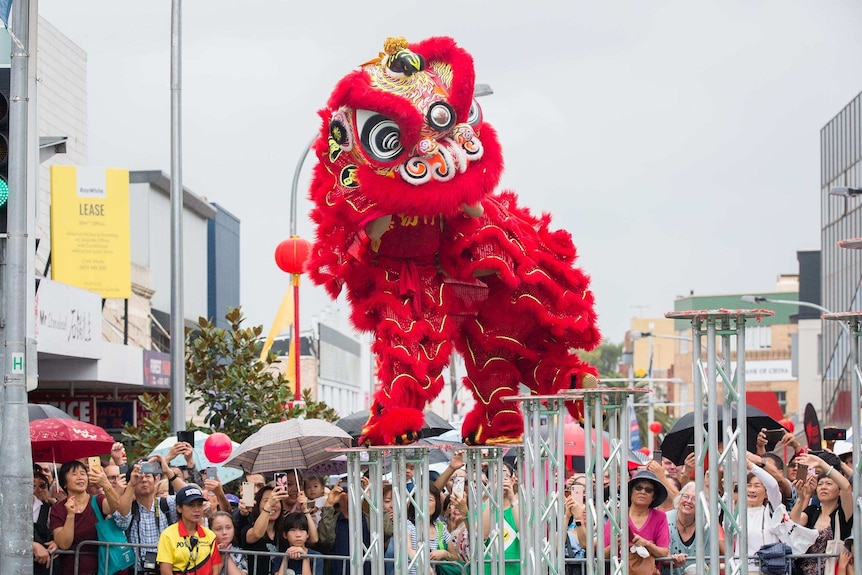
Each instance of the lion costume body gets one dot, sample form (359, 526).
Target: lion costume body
(432, 260)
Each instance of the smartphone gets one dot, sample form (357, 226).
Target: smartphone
(343, 485)
(148, 467)
(458, 485)
(246, 492)
(834, 434)
(656, 455)
(212, 473)
(688, 450)
(773, 436)
(187, 436)
(280, 478)
(801, 471)
(94, 463)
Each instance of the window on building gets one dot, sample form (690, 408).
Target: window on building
(782, 400)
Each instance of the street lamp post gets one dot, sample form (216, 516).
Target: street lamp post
(845, 191)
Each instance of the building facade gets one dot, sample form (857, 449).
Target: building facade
(771, 381)
(121, 345)
(840, 218)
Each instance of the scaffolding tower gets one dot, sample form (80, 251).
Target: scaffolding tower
(854, 320)
(720, 409)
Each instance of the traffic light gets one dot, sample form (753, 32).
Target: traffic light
(4, 146)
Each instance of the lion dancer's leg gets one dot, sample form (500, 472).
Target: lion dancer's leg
(411, 352)
(560, 370)
(492, 375)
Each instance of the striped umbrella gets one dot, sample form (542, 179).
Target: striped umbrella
(291, 444)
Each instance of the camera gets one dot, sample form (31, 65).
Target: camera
(149, 565)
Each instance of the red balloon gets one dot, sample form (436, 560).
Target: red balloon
(645, 450)
(291, 254)
(218, 447)
(787, 424)
(655, 427)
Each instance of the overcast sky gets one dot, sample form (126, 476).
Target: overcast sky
(677, 141)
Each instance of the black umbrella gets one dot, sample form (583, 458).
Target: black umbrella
(353, 424)
(44, 411)
(682, 434)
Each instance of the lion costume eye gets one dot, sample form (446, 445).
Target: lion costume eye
(380, 137)
(474, 118)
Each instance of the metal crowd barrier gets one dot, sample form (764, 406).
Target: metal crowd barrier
(92, 547)
(576, 566)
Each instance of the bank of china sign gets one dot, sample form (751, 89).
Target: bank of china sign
(768, 370)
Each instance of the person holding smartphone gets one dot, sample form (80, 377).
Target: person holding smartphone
(141, 514)
(74, 520)
(334, 530)
(832, 515)
(263, 531)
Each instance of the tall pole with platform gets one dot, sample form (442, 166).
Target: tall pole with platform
(608, 405)
(541, 481)
(719, 388)
(854, 319)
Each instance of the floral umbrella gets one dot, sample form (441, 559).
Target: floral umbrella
(62, 440)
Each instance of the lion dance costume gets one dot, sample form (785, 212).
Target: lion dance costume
(433, 260)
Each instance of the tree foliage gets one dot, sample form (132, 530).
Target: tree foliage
(236, 392)
(605, 358)
(151, 429)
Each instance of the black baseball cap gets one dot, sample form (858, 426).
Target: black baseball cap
(188, 494)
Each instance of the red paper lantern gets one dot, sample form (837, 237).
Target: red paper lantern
(218, 447)
(655, 427)
(787, 424)
(291, 254)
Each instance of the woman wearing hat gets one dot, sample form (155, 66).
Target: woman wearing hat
(187, 546)
(647, 524)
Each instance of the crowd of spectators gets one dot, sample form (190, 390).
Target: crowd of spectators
(294, 520)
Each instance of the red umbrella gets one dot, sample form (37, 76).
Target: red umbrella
(573, 444)
(63, 440)
(573, 440)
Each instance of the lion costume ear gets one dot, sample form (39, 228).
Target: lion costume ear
(444, 56)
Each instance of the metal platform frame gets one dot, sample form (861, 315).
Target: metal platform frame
(854, 321)
(541, 483)
(725, 326)
(606, 404)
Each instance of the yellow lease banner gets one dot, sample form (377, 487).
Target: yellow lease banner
(90, 229)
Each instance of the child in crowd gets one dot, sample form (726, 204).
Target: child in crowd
(234, 563)
(314, 490)
(297, 560)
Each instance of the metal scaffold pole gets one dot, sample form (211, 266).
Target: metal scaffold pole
(365, 496)
(720, 442)
(607, 405)
(485, 548)
(854, 319)
(541, 482)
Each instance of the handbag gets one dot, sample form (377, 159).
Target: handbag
(797, 536)
(833, 547)
(641, 565)
(112, 558)
(773, 558)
